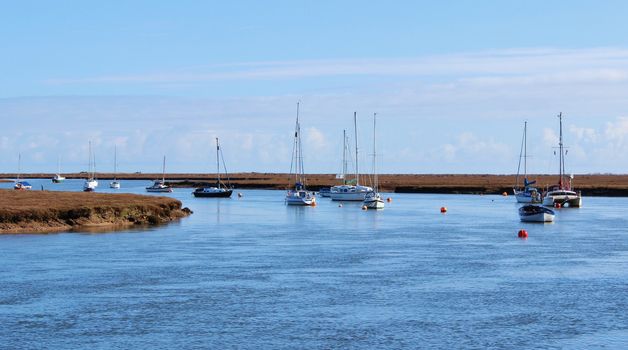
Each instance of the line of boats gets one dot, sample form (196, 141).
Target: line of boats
(557, 196)
(535, 208)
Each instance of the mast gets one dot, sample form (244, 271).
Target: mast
(19, 166)
(344, 157)
(89, 163)
(561, 159)
(300, 151)
(296, 148)
(115, 162)
(355, 127)
(217, 162)
(375, 180)
(163, 175)
(525, 150)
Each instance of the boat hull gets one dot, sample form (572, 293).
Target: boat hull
(565, 200)
(90, 185)
(535, 213)
(115, 185)
(541, 217)
(349, 193)
(302, 198)
(374, 204)
(300, 201)
(217, 194)
(527, 197)
(159, 190)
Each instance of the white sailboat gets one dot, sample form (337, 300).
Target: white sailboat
(20, 184)
(58, 178)
(220, 190)
(348, 192)
(299, 195)
(373, 200)
(115, 184)
(91, 183)
(527, 194)
(562, 194)
(160, 185)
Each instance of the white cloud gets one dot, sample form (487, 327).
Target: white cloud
(584, 134)
(315, 140)
(519, 65)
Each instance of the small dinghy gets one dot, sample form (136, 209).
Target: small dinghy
(536, 213)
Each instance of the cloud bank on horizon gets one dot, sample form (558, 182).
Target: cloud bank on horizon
(458, 111)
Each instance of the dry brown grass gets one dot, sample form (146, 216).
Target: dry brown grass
(610, 185)
(42, 211)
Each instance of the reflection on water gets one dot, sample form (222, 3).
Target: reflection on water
(252, 272)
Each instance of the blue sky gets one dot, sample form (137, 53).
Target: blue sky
(452, 83)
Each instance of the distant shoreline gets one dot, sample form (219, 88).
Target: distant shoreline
(590, 185)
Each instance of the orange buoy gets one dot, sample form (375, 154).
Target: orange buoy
(364, 207)
(388, 199)
(443, 209)
(557, 205)
(522, 234)
(314, 203)
(505, 194)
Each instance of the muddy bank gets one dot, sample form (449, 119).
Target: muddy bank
(51, 211)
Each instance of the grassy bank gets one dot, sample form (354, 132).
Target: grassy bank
(45, 211)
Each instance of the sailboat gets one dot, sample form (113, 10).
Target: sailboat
(91, 183)
(373, 200)
(348, 192)
(160, 185)
(19, 184)
(528, 194)
(562, 193)
(115, 184)
(220, 190)
(299, 195)
(58, 178)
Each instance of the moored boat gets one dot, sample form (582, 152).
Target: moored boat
(562, 194)
(160, 185)
(536, 213)
(22, 185)
(220, 190)
(19, 184)
(299, 195)
(91, 183)
(373, 200)
(115, 184)
(351, 190)
(58, 178)
(325, 192)
(527, 194)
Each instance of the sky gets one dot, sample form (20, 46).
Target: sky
(452, 83)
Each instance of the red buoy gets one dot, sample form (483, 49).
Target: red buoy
(557, 205)
(443, 209)
(522, 234)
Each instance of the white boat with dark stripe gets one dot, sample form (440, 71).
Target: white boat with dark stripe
(536, 213)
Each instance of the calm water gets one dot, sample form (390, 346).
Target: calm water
(253, 273)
